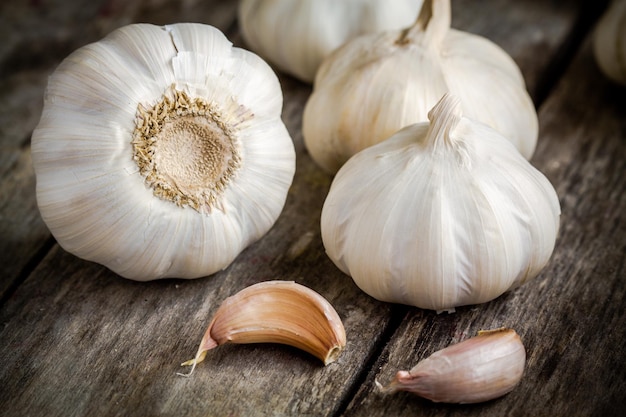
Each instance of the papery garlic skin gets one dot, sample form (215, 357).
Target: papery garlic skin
(295, 35)
(479, 369)
(282, 312)
(376, 84)
(440, 215)
(97, 189)
(609, 42)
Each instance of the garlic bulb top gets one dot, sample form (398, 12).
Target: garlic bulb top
(376, 84)
(440, 215)
(295, 35)
(161, 151)
(609, 42)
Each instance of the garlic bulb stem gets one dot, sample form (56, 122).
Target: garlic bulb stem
(479, 369)
(432, 24)
(444, 118)
(276, 312)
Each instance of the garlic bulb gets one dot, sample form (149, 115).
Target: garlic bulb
(276, 312)
(609, 42)
(295, 35)
(376, 84)
(161, 151)
(440, 215)
(479, 369)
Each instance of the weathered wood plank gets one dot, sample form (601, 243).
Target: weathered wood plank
(127, 340)
(22, 230)
(77, 340)
(571, 318)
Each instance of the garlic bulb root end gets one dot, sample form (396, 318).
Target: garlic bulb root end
(333, 354)
(192, 362)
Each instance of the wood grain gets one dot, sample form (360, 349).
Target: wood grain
(77, 340)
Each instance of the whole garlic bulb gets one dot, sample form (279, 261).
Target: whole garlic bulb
(440, 215)
(295, 35)
(609, 42)
(161, 151)
(376, 84)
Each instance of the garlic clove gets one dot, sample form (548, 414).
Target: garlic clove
(479, 369)
(276, 312)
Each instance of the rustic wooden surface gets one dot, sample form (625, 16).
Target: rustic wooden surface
(77, 340)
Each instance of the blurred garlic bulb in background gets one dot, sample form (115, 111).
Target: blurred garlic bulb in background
(295, 35)
(609, 42)
(440, 215)
(376, 84)
(161, 151)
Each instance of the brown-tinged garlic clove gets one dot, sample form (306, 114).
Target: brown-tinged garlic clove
(276, 312)
(479, 369)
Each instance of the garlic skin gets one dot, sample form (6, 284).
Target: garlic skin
(479, 369)
(295, 35)
(161, 151)
(276, 312)
(609, 42)
(440, 215)
(376, 84)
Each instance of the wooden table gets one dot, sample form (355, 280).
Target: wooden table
(77, 340)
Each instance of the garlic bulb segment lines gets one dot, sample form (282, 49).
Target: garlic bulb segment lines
(296, 35)
(276, 312)
(376, 84)
(440, 215)
(161, 151)
(478, 369)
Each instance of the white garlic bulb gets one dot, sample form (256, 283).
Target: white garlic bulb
(440, 215)
(376, 84)
(161, 151)
(609, 42)
(295, 35)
